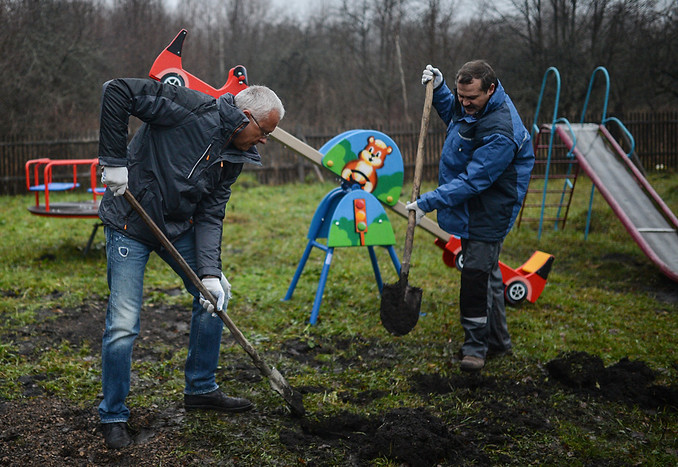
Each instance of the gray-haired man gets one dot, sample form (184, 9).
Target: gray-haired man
(180, 165)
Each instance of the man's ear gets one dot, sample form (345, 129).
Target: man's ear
(491, 90)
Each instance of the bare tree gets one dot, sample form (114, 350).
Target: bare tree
(352, 65)
(49, 61)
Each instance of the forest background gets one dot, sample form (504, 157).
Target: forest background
(344, 64)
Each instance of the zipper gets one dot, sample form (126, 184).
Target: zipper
(464, 137)
(198, 161)
(244, 124)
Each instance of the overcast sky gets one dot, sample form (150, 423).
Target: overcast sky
(300, 9)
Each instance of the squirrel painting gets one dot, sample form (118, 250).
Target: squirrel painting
(363, 170)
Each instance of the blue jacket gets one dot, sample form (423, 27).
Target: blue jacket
(181, 163)
(484, 168)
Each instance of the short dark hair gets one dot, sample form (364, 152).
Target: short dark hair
(477, 69)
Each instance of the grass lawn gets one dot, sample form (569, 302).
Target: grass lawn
(605, 304)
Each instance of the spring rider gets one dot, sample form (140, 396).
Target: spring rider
(371, 169)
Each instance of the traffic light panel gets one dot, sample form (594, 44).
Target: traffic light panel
(360, 216)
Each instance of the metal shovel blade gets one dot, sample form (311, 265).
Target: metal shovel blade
(400, 306)
(293, 398)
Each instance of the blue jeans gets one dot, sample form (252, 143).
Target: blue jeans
(481, 300)
(126, 263)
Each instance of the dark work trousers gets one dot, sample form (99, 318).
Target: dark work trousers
(481, 299)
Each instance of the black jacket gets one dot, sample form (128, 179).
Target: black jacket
(181, 163)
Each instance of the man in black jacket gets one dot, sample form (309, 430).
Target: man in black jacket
(180, 165)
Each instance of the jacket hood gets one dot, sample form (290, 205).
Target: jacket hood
(233, 121)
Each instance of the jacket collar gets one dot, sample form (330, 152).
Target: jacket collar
(233, 120)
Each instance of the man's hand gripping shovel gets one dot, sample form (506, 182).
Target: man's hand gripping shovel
(278, 383)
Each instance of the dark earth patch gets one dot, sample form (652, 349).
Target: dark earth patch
(625, 381)
(411, 436)
(400, 306)
(462, 413)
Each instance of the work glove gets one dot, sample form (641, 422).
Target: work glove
(115, 178)
(418, 211)
(220, 290)
(431, 73)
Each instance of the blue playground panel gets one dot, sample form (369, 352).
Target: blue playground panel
(352, 215)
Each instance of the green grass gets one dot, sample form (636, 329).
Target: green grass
(603, 297)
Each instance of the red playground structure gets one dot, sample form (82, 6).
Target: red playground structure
(167, 68)
(524, 283)
(527, 282)
(40, 176)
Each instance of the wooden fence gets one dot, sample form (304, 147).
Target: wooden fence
(655, 134)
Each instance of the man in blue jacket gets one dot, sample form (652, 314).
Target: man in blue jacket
(483, 175)
(180, 166)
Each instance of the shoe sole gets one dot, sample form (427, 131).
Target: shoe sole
(471, 366)
(119, 446)
(244, 408)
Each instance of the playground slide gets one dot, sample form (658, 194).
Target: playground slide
(642, 212)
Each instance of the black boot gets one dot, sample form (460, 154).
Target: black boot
(116, 435)
(216, 400)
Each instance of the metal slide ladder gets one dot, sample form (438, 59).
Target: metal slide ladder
(553, 161)
(604, 119)
(558, 159)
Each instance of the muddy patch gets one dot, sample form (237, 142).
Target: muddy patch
(339, 354)
(161, 326)
(626, 381)
(414, 437)
(460, 417)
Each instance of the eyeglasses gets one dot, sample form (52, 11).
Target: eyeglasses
(264, 133)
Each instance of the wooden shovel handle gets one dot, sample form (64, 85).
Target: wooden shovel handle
(418, 169)
(239, 337)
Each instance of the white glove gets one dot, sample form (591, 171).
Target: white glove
(227, 288)
(431, 73)
(213, 285)
(415, 207)
(115, 178)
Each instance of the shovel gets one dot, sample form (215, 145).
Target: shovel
(278, 383)
(400, 303)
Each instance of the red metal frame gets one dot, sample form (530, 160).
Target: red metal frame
(528, 281)
(167, 68)
(47, 166)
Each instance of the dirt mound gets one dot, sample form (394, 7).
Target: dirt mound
(625, 381)
(460, 417)
(411, 436)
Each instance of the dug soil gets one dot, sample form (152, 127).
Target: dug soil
(42, 429)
